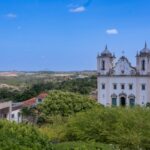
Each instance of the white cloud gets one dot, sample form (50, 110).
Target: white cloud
(79, 9)
(112, 31)
(11, 15)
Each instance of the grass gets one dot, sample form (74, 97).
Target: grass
(82, 146)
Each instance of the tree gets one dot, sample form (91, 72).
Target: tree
(29, 114)
(82, 86)
(21, 137)
(127, 128)
(64, 104)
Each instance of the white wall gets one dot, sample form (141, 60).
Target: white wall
(141, 97)
(14, 116)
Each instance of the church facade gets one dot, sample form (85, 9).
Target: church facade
(121, 84)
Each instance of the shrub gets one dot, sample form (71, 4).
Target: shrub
(127, 128)
(21, 137)
(82, 146)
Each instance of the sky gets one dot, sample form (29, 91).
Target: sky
(67, 35)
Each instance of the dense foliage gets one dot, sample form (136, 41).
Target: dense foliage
(64, 104)
(34, 90)
(6, 94)
(127, 128)
(74, 121)
(120, 128)
(82, 146)
(74, 117)
(21, 137)
(82, 86)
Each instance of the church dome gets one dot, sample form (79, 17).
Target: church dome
(145, 50)
(106, 52)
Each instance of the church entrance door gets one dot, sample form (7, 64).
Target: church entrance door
(123, 101)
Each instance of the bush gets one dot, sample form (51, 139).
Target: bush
(82, 86)
(82, 146)
(21, 137)
(128, 128)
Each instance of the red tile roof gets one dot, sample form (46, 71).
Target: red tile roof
(32, 101)
(42, 95)
(29, 102)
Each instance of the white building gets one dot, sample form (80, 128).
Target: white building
(16, 114)
(11, 111)
(121, 84)
(5, 110)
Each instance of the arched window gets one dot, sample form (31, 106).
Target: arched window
(114, 99)
(143, 65)
(132, 102)
(103, 65)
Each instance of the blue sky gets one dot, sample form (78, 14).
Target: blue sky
(63, 35)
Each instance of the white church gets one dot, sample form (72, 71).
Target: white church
(121, 84)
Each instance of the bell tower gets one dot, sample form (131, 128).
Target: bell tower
(105, 62)
(143, 61)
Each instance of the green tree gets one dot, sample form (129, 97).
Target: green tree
(127, 128)
(82, 86)
(21, 137)
(64, 104)
(29, 114)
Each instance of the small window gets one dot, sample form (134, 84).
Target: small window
(114, 102)
(103, 86)
(143, 65)
(12, 115)
(132, 102)
(5, 115)
(130, 86)
(122, 71)
(39, 100)
(19, 114)
(122, 86)
(103, 65)
(143, 87)
(114, 86)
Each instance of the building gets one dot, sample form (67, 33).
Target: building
(12, 111)
(35, 100)
(121, 84)
(5, 110)
(31, 103)
(16, 114)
